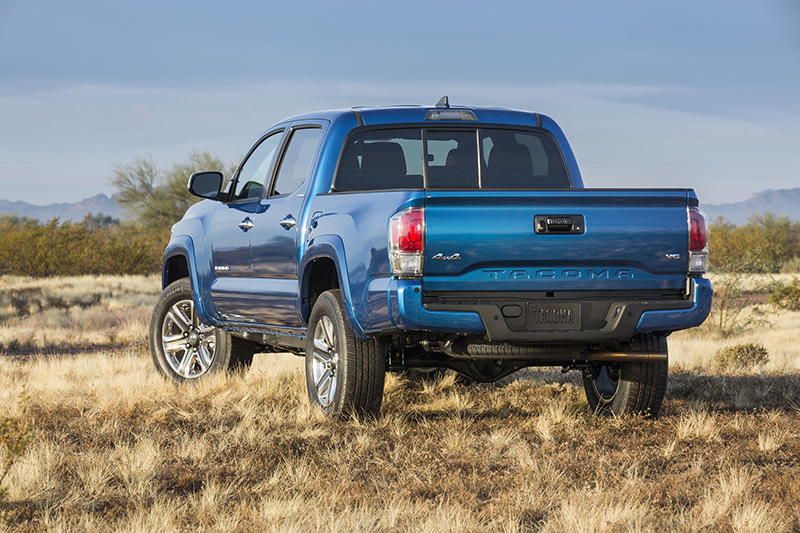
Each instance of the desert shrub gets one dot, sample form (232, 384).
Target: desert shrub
(31, 248)
(742, 356)
(734, 293)
(738, 256)
(761, 246)
(787, 297)
(791, 266)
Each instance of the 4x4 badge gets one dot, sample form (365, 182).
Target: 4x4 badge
(442, 257)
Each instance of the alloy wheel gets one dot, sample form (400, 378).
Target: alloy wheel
(189, 346)
(325, 361)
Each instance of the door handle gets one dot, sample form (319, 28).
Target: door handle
(559, 224)
(288, 222)
(246, 224)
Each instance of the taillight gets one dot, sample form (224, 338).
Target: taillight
(698, 241)
(407, 242)
(698, 237)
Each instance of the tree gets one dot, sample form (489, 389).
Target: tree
(99, 221)
(155, 198)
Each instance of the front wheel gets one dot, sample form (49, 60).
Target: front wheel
(627, 387)
(343, 374)
(185, 349)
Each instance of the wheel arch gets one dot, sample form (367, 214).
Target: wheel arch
(175, 267)
(180, 262)
(324, 268)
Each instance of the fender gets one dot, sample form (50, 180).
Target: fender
(183, 245)
(332, 247)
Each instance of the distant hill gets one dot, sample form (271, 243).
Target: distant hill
(782, 202)
(74, 212)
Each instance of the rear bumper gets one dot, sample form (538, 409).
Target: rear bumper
(408, 312)
(666, 320)
(615, 319)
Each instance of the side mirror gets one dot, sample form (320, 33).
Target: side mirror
(206, 185)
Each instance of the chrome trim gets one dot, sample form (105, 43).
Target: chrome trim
(246, 224)
(442, 257)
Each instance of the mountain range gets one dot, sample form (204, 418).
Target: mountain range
(781, 202)
(74, 212)
(784, 202)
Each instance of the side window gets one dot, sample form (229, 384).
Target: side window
(253, 176)
(296, 161)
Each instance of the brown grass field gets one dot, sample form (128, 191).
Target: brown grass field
(118, 448)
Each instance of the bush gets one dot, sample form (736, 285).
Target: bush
(762, 246)
(787, 297)
(92, 247)
(791, 266)
(742, 356)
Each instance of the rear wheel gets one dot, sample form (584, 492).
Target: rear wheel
(343, 373)
(185, 349)
(628, 387)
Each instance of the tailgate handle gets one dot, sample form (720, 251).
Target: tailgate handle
(559, 224)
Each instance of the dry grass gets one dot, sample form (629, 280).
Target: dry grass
(695, 349)
(120, 449)
(56, 314)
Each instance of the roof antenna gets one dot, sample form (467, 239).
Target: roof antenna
(443, 102)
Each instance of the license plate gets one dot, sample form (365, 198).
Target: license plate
(553, 316)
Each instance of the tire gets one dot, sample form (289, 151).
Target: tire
(344, 375)
(627, 388)
(184, 349)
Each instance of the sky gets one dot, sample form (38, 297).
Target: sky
(680, 93)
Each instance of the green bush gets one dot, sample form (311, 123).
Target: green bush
(792, 266)
(787, 297)
(31, 248)
(742, 356)
(762, 246)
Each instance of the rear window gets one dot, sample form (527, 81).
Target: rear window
(385, 159)
(483, 158)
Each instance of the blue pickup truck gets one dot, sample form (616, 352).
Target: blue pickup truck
(414, 238)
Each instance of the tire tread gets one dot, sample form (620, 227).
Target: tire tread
(642, 385)
(363, 381)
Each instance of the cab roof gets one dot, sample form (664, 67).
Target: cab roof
(440, 113)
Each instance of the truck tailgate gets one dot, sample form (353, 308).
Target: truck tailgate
(564, 240)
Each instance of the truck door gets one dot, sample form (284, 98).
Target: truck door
(274, 239)
(230, 232)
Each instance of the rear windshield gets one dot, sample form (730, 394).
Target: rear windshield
(483, 158)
